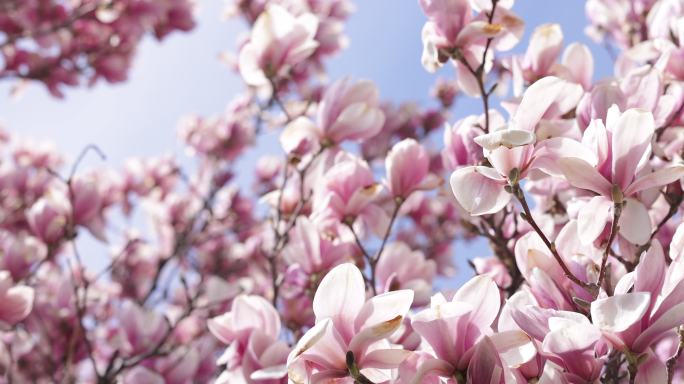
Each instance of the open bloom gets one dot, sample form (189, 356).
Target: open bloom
(310, 255)
(348, 193)
(568, 339)
(480, 189)
(142, 328)
(451, 27)
(402, 268)
(616, 173)
(648, 303)
(17, 301)
(347, 111)
(455, 330)
(279, 41)
(351, 332)
(251, 330)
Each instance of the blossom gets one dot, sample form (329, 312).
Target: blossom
(614, 173)
(17, 301)
(407, 165)
(516, 148)
(402, 268)
(633, 320)
(279, 40)
(347, 111)
(457, 329)
(251, 329)
(349, 327)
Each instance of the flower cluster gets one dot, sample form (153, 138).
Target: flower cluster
(62, 43)
(324, 269)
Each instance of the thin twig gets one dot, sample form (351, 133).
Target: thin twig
(527, 216)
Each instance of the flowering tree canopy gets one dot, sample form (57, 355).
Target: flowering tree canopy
(336, 265)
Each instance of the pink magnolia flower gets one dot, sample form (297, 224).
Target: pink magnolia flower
(142, 328)
(49, 216)
(451, 27)
(310, 254)
(88, 203)
(544, 48)
(402, 268)
(648, 303)
(251, 330)
(546, 279)
(347, 111)
(407, 166)
(596, 103)
(347, 195)
(20, 252)
(568, 339)
(17, 301)
(351, 332)
(494, 268)
(279, 40)
(460, 148)
(480, 189)
(454, 330)
(614, 174)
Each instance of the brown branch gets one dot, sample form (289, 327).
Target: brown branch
(527, 216)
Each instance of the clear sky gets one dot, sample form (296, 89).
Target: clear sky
(184, 75)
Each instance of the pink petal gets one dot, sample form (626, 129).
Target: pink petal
(592, 218)
(515, 347)
(578, 60)
(300, 136)
(650, 272)
(631, 139)
(547, 95)
(384, 358)
(652, 370)
(635, 223)
(482, 293)
(581, 174)
(434, 366)
(479, 190)
(548, 152)
(671, 319)
(340, 297)
(379, 318)
(485, 365)
(17, 304)
(656, 179)
(619, 312)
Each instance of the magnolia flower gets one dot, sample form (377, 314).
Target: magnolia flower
(460, 148)
(350, 335)
(402, 268)
(408, 165)
(568, 339)
(347, 111)
(279, 40)
(142, 328)
(451, 27)
(480, 189)
(49, 216)
(545, 46)
(310, 254)
(17, 301)
(648, 303)
(613, 173)
(251, 329)
(347, 193)
(454, 329)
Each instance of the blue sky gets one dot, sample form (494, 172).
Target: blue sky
(183, 75)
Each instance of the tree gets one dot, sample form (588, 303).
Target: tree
(324, 269)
